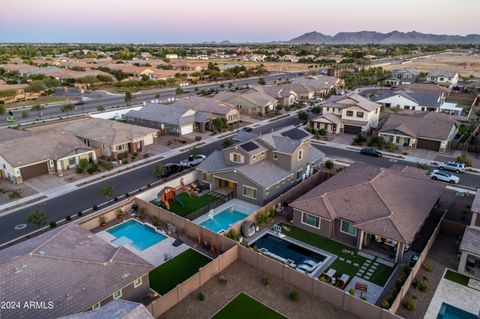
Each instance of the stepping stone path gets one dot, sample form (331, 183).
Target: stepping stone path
(349, 261)
(341, 258)
(375, 264)
(355, 264)
(366, 277)
(361, 271)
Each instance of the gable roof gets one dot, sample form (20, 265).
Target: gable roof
(282, 141)
(41, 147)
(431, 125)
(421, 96)
(437, 73)
(69, 266)
(386, 202)
(342, 101)
(471, 240)
(163, 113)
(204, 104)
(115, 309)
(7, 134)
(107, 131)
(329, 117)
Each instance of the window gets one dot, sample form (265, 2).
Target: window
(407, 107)
(96, 306)
(117, 294)
(254, 157)
(300, 155)
(349, 113)
(120, 147)
(237, 158)
(205, 177)
(275, 156)
(360, 114)
(250, 192)
(71, 161)
(137, 282)
(347, 228)
(310, 220)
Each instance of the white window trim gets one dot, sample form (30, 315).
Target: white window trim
(310, 225)
(300, 155)
(240, 157)
(243, 192)
(296, 174)
(345, 232)
(118, 297)
(137, 282)
(96, 306)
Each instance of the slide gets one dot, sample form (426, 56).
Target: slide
(166, 204)
(185, 188)
(179, 201)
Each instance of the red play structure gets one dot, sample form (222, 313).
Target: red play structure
(168, 195)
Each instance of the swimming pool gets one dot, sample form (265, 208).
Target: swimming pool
(450, 312)
(138, 235)
(224, 220)
(289, 253)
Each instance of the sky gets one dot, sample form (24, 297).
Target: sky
(193, 21)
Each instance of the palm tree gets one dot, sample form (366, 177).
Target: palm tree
(195, 152)
(128, 97)
(38, 218)
(159, 170)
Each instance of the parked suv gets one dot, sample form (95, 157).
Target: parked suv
(172, 168)
(442, 176)
(452, 166)
(192, 161)
(370, 152)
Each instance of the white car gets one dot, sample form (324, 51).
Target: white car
(452, 166)
(192, 161)
(443, 176)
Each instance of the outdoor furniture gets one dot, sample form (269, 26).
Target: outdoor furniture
(329, 274)
(363, 287)
(342, 281)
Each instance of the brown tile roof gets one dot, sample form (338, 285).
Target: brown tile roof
(386, 202)
(7, 134)
(471, 240)
(476, 203)
(342, 101)
(329, 117)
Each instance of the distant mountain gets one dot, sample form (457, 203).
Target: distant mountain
(395, 37)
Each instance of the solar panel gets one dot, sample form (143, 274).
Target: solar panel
(249, 146)
(295, 134)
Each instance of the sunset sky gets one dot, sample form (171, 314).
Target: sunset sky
(214, 20)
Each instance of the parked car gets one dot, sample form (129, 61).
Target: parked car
(192, 161)
(443, 176)
(370, 152)
(247, 128)
(172, 168)
(452, 166)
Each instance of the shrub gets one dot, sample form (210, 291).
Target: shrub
(378, 141)
(53, 224)
(322, 132)
(360, 139)
(198, 138)
(427, 267)
(95, 207)
(351, 291)
(262, 217)
(115, 199)
(79, 214)
(329, 164)
(363, 298)
(293, 296)
(409, 304)
(120, 213)
(127, 194)
(223, 279)
(155, 221)
(227, 143)
(265, 281)
(102, 220)
(385, 304)
(68, 218)
(421, 285)
(464, 159)
(392, 147)
(92, 169)
(201, 296)
(232, 234)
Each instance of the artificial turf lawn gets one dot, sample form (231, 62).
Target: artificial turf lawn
(191, 203)
(245, 307)
(175, 271)
(380, 275)
(456, 277)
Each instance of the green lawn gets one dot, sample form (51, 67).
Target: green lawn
(191, 204)
(245, 307)
(380, 275)
(175, 271)
(456, 277)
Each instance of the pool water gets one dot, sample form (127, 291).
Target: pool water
(287, 250)
(141, 236)
(223, 220)
(450, 312)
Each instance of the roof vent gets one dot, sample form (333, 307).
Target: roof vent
(19, 269)
(125, 275)
(68, 296)
(41, 252)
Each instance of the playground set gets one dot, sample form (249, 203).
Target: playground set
(169, 194)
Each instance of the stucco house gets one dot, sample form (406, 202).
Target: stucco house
(34, 155)
(355, 114)
(428, 130)
(110, 138)
(249, 102)
(445, 78)
(260, 169)
(470, 245)
(211, 108)
(282, 93)
(367, 206)
(403, 76)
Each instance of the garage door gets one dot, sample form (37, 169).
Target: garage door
(186, 129)
(428, 144)
(34, 170)
(351, 129)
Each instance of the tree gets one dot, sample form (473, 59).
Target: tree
(220, 123)
(195, 152)
(262, 81)
(107, 191)
(15, 195)
(2, 109)
(178, 91)
(303, 116)
(159, 170)
(227, 143)
(100, 108)
(24, 114)
(38, 218)
(128, 97)
(38, 108)
(82, 166)
(67, 108)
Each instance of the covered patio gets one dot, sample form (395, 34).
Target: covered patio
(470, 249)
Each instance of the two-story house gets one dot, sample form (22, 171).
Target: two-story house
(351, 113)
(260, 169)
(446, 78)
(470, 245)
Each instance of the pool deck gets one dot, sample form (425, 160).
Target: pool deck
(454, 294)
(156, 254)
(248, 209)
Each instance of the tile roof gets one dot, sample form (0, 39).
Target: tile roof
(69, 266)
(421, 125)
(437, 73)
(115, 309)
(107, 131)
(476, 203)
(7, 134)
(284, 144)
(390, 203)
(329, 117)
(342, 101)
(41, 147)
(471, 240)
(205, 104)
(163, 113)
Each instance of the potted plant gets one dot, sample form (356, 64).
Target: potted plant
(120, 214)
(103, 221)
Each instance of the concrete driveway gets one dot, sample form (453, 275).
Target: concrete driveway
(346, 139)
(45, 182)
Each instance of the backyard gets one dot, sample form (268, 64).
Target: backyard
(175, 271)
(190, 203)
(244, 307)
(349, 261)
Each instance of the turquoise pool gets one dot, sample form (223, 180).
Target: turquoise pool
(223, 220)
(450, 312)
(138, 235)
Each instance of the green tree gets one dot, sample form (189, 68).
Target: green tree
(195, 152)
(38, 218)
(107, 191)
(82, 166)
(67, 108)
(262, 81)
(128, 97)
(178, 91)
(2, 109)
(38, 108)
(227, 143)
(101, 108)
(220, 123)
(303, 116)
(159, 170)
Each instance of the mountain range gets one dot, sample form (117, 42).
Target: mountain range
(394, 37)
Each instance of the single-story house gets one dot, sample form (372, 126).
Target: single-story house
(38, 154)
(365, 206)
(283, 95)
(428, 130)
(211, 106)
(70, 270)
(249, 102)
(112, 137)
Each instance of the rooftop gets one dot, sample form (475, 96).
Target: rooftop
(471, 240)
(163, 113)
(7, 134)
(115, 309)
(352, 99)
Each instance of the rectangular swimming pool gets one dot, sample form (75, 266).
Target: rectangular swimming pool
(224, 220)
(290, 253)
(450, 312)
(138, 235)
